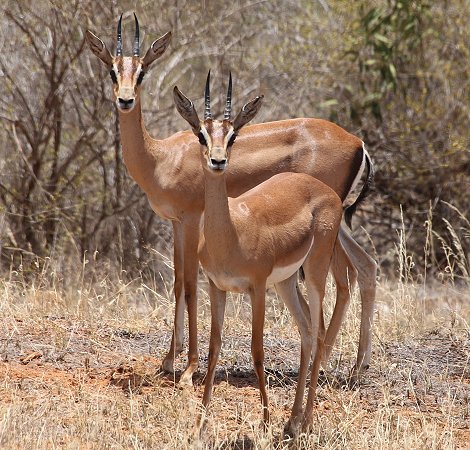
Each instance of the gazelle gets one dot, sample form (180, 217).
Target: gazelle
(263, 236)
(168, 172)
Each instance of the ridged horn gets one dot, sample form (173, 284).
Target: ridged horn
(228, 103)
(119, 38)
(207, 98)
(136, 38)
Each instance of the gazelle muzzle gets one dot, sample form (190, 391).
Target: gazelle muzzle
(125, 98)
(217, 159)
(125, 104)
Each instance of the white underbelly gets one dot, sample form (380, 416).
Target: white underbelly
(227, 282)
(281, 273)
(165, 211)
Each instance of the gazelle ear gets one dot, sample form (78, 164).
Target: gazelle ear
(157, 49)
(98, 48)
(247, 113)
(186, 108)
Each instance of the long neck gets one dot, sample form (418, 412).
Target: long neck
(219, 231)
(138, 148)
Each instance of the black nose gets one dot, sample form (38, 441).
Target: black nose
(125, 104)
(218, 164)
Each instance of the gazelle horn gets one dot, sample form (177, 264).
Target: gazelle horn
(119, 38)
(136, 37)
(207, 98)
(228, 103)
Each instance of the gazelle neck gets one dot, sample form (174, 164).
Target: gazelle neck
(219, 231)
(139, 150)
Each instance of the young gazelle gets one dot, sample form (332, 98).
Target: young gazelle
(263, 237)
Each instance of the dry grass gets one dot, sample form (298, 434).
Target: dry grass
(79, 369)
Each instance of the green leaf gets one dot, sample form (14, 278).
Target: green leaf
(381, 38)
(328, 103)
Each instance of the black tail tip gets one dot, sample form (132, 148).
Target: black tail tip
(348, 213)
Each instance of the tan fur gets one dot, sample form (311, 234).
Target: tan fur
(288, 220)
(168, 171)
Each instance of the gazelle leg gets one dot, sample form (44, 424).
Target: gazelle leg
(345, 276)
(191, 264)
(316, 269)
(312, 390)
(366, 278)
(257, 295)
(218, 300)
(177, 338)
(302, 300)
(298, 307)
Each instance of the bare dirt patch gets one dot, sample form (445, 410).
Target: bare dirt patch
(90, 379)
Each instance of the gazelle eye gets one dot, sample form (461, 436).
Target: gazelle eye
(113, 76)
(231, 140)
(202, 139)
(140, 77)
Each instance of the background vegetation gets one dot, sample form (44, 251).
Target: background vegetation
(394, 72)
(86, 306)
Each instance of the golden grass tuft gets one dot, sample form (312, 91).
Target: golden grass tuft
(79, 367)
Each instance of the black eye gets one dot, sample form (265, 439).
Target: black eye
(113, 76)
(140, 77)
(202, 139)
(231, 140)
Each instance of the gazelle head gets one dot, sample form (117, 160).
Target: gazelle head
(127, 72)
(216, 136)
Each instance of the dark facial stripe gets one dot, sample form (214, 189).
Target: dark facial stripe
(202, 139)
(113, 76)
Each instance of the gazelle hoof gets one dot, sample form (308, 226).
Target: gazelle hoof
(186, 379)
(199, 430)
(292, 428)
(355, 375)
(167, 365)
(307, 424)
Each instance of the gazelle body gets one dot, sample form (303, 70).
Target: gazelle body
(263, 237)
(168, 171)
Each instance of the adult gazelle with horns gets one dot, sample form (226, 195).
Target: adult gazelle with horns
(262, 237)
(168, 171)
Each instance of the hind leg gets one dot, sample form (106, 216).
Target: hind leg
(345, 276)
(366, 278)
(316, 268)
(298, 307)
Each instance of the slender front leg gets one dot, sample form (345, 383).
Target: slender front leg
(367, 273)
(191, 264)
(176, 346)
(257, 295)
(218, 300)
